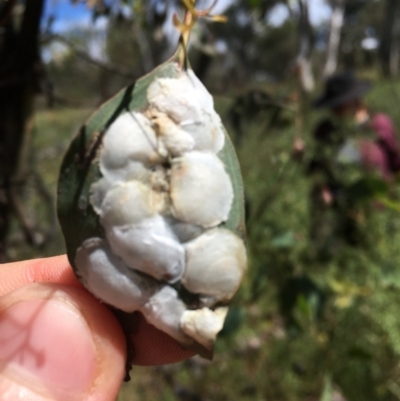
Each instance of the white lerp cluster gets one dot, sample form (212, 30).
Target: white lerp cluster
(163, 194)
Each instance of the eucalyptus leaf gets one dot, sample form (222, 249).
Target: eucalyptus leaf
(146, 262)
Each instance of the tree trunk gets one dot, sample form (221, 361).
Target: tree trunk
(20, 69)
(389, 48)
(305, 47)
(336, 26)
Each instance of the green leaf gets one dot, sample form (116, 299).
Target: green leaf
(233, 321)
(283, 241)
(367, 188)
(327, 389)
(359, 353)
(303, 306)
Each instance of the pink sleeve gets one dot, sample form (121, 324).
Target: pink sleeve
(373, 157)
(385, 131)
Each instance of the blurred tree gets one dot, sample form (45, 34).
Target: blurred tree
(299, 15)
(256, 48)
(305, 47)
(390, 39)
(362, 19)
(354, 34)
(20, 72)
(140, 35)
(336, 24)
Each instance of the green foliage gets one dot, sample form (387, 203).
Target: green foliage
(281, 44)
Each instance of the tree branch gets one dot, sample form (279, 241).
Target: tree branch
(112, 68)
(336, 25)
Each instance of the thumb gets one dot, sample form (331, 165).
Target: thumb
(58, 343)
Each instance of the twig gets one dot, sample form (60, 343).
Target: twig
(114, 69)
(47, 197)
(17, 207)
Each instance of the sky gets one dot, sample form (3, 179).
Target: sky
(68, 15)
(319, 12)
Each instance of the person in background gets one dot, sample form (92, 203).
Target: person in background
(349, 145)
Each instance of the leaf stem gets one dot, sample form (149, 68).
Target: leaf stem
(185, 27)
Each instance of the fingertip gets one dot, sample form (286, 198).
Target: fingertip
(58, 341)
(48, 270)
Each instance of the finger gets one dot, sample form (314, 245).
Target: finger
(151, 346)
(52, 270)
(58, 343)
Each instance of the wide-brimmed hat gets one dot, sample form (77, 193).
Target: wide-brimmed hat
(341, 88)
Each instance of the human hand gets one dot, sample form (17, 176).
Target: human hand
(57, 342)
(326, 196)
(298, 149)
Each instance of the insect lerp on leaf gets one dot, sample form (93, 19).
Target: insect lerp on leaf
(151, 203)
